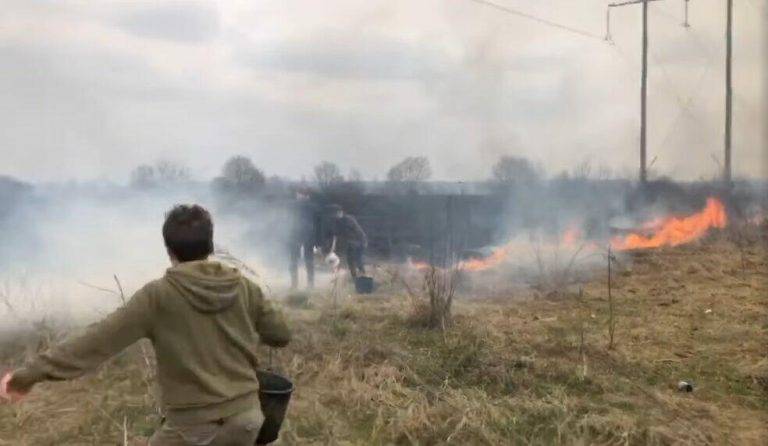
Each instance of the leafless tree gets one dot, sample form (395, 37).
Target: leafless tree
(583, 170)
(604, 172)
(143, 177)
(514, 170)
(355, 176)
(328, 174)
(240, 170)
(239, 175)
(162, 173)
(410, 170)
(169, 172)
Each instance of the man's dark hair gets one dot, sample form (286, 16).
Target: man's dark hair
(188, 232)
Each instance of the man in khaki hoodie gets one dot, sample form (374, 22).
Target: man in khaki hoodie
(204, 320)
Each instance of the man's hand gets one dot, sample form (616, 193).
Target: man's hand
(9, 394)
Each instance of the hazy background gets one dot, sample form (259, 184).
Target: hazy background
(90, 89)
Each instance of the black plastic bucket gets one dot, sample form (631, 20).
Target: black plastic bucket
(364, 285)
(274, 394)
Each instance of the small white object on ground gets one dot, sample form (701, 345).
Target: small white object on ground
(332, 259)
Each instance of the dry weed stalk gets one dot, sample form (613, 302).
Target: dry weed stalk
(415, 300)
(6, 301)
(433, 307)
(148, 369)
(125, 430)
(611, 319)
(230, 258)
(743, 237)
(553, 279)
(45, 329)
(440, 287)
(393, 277)
(582, 329)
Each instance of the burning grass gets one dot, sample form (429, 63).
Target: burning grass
(511, 370)
(674, 231)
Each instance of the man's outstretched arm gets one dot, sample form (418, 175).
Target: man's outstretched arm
(101, 341)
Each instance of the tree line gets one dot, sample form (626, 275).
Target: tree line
(240, 175)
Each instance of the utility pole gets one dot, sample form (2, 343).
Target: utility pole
(728, 93)
(644, 97)
(644, 82)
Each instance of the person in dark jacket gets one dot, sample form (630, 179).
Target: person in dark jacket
(351, 240)
(304, 237)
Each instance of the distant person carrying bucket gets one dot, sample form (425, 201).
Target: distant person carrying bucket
(350, 239)
(204, 320)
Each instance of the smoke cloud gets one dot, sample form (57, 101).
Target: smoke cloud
(95, 89)
(100, 87)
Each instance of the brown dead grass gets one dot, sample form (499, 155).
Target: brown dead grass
(515, 370)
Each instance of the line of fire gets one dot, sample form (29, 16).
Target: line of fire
(473, 226)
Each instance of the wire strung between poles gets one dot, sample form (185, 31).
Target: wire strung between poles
(538, 19)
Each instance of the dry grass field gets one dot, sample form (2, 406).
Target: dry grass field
(515, 368)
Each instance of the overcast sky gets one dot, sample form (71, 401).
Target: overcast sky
(89, 90)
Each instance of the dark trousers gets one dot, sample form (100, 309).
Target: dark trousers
(309, 262)
(355, 260)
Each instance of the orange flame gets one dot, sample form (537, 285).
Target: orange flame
(472, 265)
(419, 266)
(675, 231)
(571, 236)
(668, 231)
(496, 258)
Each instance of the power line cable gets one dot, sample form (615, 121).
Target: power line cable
(761, 10)
(671, 88)
(696, 38)
(684, 103)
(685, 109)
(540, 20)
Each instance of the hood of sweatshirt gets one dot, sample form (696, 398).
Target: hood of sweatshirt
(210, 287)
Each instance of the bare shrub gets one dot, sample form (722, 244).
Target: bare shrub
(440, 288)
(553, 276)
